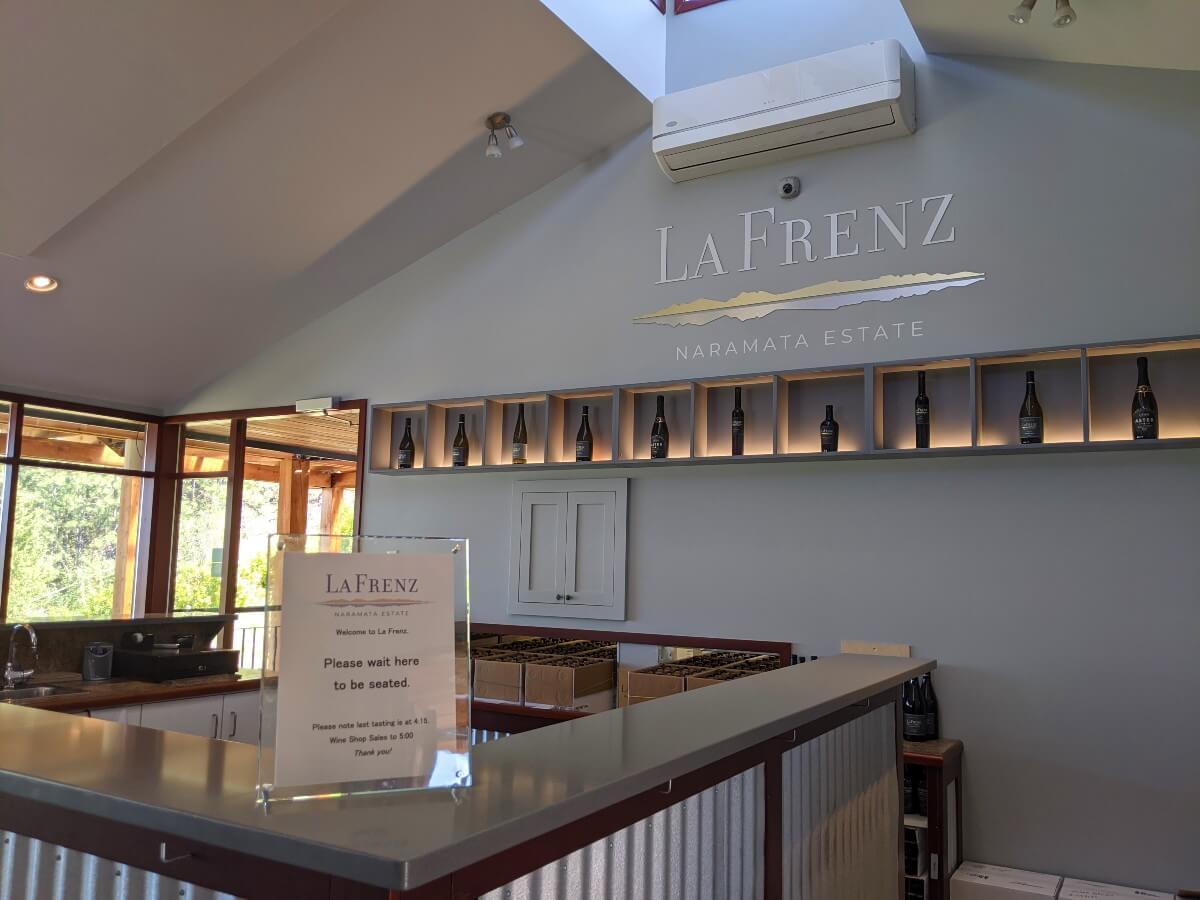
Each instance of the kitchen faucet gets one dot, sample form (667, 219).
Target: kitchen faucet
(12, 675)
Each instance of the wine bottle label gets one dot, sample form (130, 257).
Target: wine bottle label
(738, 427)
(930, 726)
(922, 415)
(459, 456)
(583, 451)
(1145, 424)
(914, 725)
(519, 452)
(826, 431)
(1031, 428)
(658, 447)
(404, 459)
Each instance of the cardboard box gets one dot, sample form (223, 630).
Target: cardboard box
(519, 644)
(561, 681)
(766, 663)
(501, 676)
(977, 881)
(594, 649)
(657, 681)
(718, 659)
(709, 677)
(1073, 889)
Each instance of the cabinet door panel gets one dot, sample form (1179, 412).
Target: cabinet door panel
(591, 535)
(198, 715)
(541, 560)
(126, 715)
(239, 719)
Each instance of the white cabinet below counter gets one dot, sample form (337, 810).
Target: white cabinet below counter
(196, 715)
(227, 717)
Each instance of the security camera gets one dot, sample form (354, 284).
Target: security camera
(789, 187)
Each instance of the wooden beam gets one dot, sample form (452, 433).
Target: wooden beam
(293, 497)
(163, 520)
(127, 536)
(70, 451)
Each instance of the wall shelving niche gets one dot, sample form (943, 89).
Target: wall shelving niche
(1085, 393)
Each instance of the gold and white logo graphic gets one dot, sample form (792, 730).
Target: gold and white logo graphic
(826, 295)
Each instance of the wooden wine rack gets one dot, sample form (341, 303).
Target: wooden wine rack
(1085, 392)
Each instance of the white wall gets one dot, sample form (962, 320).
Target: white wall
(1058, 594)
(631, 35)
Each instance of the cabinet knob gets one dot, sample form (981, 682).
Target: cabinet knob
(559, 597)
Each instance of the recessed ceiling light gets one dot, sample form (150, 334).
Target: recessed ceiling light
(41, 284)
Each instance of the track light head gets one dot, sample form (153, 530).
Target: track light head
(515, 141)
(1022, 13)
(493, 147)
(1064, 15)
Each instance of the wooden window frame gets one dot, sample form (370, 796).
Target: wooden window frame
(11, 457)
(159, 512)
(684, 6)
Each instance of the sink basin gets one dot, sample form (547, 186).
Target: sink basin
(16, 695)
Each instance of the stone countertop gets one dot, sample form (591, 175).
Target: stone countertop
(522, 787)
(127, 691)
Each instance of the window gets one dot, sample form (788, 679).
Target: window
(203, 493)
(75, 486)
(75, 537)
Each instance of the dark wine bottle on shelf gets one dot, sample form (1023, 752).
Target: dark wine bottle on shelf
(1032, 425)
(829, 431)
(1145, 407)
(583, 440)
(914, 711)
(922, 412)
(929, 702)
(739, 424)
(406, 451)
(460, 452)
(660, 436)
(520, 441)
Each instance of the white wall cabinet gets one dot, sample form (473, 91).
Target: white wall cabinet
(568, 548)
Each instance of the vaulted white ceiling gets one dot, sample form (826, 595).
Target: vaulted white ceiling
(204, 178)
(1158, 34)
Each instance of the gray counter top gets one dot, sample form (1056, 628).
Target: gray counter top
(524, 786)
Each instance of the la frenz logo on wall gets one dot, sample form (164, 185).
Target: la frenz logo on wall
(923, 222)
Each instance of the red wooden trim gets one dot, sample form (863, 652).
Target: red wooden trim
(260, 412)
(898, 699)
(163, 520)
(682, 6)
(109, 411)
(514, 719)
(84, 467)
(360, 471)
(773, 826)
(782, 649)
(233, 524)
(8, 503)
(660, 5)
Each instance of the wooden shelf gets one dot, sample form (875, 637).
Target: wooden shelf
(1085, 391)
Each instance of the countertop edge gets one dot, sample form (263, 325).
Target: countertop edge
(305, 852)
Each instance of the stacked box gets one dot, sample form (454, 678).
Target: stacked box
(530, 644)
(719, 659)
(766, 663)
(562, 680)
(657, 681)
(707, 677)
(501, 676)
(594, 649)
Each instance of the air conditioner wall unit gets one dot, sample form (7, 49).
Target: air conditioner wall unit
(853, 96)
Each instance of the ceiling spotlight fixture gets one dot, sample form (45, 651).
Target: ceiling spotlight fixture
(41, 284)
(1063, 14)
(501, 121)
(493, 147)
(1023, 13)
